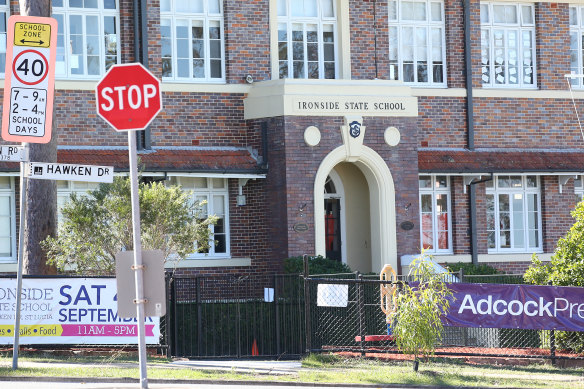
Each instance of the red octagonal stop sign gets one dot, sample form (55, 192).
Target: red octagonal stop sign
(128, 97)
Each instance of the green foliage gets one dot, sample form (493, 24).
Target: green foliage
(469, 268)
(316, 265)
(566, 268)
(96, 226)
(417, 324)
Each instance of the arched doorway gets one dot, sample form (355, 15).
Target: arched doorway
(381, 210)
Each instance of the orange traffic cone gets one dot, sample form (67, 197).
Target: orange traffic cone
(254, 349)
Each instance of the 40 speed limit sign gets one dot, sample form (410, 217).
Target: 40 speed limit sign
(30, 79)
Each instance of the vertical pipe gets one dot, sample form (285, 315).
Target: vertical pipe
(473, 224)
(468, 73)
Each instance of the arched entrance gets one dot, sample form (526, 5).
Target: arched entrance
(380, 194)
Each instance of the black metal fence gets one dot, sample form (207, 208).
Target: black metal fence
(268, 316)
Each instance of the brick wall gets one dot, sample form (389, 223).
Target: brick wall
(460, 217)
(556, 210)
(442, 121)
(553, 44)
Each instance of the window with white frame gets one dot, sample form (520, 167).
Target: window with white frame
(215, 192)
(576, 35)
(88, 37)
(435, 230)
(192, 40)
(7, 220)
(513, 214)
(66, 188)
(4, 14)
(417, 41)
(508, 45)
(307, 39)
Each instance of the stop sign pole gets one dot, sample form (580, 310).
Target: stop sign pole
(128, 97)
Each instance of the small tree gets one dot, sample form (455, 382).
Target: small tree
(96, 226)
(566, 268)
(417, 324)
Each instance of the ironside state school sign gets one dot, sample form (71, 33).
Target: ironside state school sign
(356, 105)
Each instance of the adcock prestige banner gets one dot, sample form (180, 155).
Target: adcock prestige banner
(68, 311)
(516, 306)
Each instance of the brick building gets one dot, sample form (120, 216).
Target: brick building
(360, 130)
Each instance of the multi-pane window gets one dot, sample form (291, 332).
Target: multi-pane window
(417, 41)
(435, 220)
(4, 14)
(307, 36)
(66, 188)
(513, 214)
(192, 40)
(88, 37)
(7, 220)
(508, 44)
(214, 192)
(576, 37)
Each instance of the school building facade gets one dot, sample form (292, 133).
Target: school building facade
(360, 130)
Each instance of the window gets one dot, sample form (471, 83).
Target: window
(66, 188)
(508, 45)
(576, 34)
(307, 36)
(513, 214)
(192, 40)
(90, 29)
(214, 192)
(7, 220)
(417, 41)
(4, 14)
(435, 221)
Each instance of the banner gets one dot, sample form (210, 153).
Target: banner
(516, 306)
(69, 311)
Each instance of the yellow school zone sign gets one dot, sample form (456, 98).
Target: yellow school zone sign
(32, 34)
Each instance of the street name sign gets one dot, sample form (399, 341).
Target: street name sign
(128, 97)
(13, 154)
(61, 171)
(31, 48)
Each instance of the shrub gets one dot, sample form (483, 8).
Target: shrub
(472, 269)
(316, 265)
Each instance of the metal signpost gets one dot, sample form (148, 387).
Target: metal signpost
(27, 116)
(128, 97)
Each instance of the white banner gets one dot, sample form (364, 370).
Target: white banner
(69, 311)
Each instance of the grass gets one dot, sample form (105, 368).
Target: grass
(316, 368)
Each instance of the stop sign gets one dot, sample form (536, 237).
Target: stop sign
(128, 97)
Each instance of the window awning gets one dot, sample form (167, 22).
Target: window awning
(220, 162)
(500, 161)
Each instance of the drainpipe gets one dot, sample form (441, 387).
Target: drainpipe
(141, 55)
(468, 74)
(474, 250)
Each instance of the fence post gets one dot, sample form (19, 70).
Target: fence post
(173, 343)
(199, 317)
(461, 275)
(360, 309)
(552, 341)
(307, 306)
(277, 313)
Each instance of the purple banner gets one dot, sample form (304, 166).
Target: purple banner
(517, 306)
